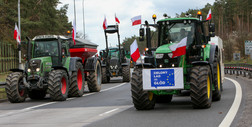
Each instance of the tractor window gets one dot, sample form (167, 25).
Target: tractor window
(113, 53)
(175, 32)
(45, 48)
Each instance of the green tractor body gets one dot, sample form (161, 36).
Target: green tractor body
(194, 65)
(57, 67)
(115, 61)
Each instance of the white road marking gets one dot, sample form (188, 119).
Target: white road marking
(235, 106)
(110, 111)
(41, 105)
(113, 87)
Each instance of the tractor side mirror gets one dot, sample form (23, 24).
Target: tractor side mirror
(141, 34)
(211, 27)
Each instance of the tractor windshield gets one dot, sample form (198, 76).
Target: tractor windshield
(113, 53)
(45, 48)
(175, 32)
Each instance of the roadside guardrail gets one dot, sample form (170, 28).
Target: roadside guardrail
(239, 69)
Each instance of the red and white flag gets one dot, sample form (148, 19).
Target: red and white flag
(179, 48)
(136, 20)
(209, 15)
(74, 32)
(134, 51)
(104, 25)
(16, 34)
(116, 19)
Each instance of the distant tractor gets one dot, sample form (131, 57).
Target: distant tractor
(114, 60)
(165, 73)
(55, 66)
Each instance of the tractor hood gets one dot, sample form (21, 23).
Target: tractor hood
(164, 48)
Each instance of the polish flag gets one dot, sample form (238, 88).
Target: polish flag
(17, 35)
(209, 15)
(134, 51)
(116, 19)
(105, 23)
(136, 20)
(179, 48)
(74, 32)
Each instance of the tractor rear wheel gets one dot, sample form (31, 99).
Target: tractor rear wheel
(58, 85)
(126, 73)
(142, 100)
(94, 78)
(201, 87)
(217, 79)
(164, 98)
(77, 82)
(37, 94)
(15, 89)
(105, 78)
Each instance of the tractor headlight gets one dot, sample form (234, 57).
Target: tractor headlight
(37, 69)
(159, 56)
(170, 55)
(116, 66)
(29, 70)
(111, 67)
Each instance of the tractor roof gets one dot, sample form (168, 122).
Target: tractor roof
(40, 37)
(177, 19)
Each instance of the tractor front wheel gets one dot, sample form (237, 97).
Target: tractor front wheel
(142, 100)
(126, 73)
(15, 89)
(94, 78)
(201, 87)
(77, 81)
(58, 85)
(217, 79)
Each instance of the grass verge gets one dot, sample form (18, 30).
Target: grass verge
(2, 90)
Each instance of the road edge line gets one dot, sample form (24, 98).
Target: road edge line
(228, 119)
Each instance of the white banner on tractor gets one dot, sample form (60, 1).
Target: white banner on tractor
(163, 79)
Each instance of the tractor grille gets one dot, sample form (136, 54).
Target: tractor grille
(166, 61)
(33, 64)
(114, 61)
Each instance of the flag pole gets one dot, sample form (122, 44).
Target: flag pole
(19, 45)
(83, 19)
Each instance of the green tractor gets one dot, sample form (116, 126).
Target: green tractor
(114, 60)
(55, 66)
(164, 74)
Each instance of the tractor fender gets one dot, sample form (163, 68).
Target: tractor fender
(90, 63)
(213, 49)
(127, 63)
(17, 70)
(73, 61)
(205, 63)
(69, 73)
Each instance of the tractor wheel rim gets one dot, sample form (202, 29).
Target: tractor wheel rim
(218, 75)
(150, 94)
(63, 85)
(208, 87)
(79, 79)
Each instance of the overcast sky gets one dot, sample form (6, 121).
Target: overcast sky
(95, 10)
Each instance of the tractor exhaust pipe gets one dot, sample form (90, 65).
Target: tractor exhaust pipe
(148, 37)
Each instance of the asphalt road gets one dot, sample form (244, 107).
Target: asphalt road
(112, 107)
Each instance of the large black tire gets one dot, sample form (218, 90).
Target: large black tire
(105, 78)
(94, 78)
(58, 85)
(15, 89)
(164, 98)
(37, 94)
(201, 86)
(217, 79)
(142, 100)
(77, 82)
(126, 73)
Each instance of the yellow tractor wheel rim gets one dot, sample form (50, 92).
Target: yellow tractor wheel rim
(218, 75)
(208, 87)
(150, 95)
